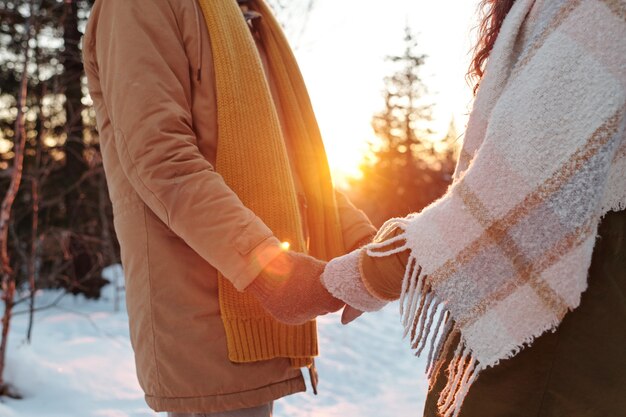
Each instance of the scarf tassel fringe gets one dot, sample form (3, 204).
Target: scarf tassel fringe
(428, 324)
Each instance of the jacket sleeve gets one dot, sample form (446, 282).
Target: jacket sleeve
(355, 225)
(145, 84)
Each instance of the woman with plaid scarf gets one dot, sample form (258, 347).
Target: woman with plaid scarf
(514, 283)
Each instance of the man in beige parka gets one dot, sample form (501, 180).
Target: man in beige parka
(214, 166)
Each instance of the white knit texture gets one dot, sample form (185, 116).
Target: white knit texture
(342, 279)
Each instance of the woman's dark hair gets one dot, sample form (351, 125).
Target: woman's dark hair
(492, 14)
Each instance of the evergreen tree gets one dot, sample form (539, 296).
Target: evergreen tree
(406, 168)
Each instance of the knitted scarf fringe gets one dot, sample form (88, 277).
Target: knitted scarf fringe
(428, 323)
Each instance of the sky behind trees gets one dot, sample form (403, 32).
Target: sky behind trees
(341, 53)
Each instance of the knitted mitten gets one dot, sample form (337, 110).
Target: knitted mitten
(383, 275)
(363, 282)
(342, 278)
(289, 289)
(350, 313)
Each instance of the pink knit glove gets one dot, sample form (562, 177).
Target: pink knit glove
(289, 289)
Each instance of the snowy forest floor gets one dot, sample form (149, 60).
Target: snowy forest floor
(80, 364)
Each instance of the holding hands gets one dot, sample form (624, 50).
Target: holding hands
(363, 282)
(290, 290)
(295, 288)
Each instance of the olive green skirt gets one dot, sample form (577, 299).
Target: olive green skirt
(577, 371)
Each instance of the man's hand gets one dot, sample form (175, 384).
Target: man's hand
(290, 290)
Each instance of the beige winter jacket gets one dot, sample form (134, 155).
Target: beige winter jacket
(150, 75)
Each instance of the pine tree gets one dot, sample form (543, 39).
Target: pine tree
(406, 169)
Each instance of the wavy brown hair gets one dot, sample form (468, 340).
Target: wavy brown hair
(492, 14)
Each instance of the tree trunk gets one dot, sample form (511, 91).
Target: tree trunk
(75, 165)
(8, 275)
(36, 180)
(33, 261)
(107, 240)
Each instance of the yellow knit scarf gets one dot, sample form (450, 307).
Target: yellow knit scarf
(252, 158)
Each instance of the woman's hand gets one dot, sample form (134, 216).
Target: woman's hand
(363, 282)
(342, 279)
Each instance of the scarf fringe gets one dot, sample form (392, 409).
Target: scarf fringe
(435, 362)
(428, 323)
(614, 206)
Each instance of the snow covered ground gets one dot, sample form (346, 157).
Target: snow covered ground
(80, 364)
